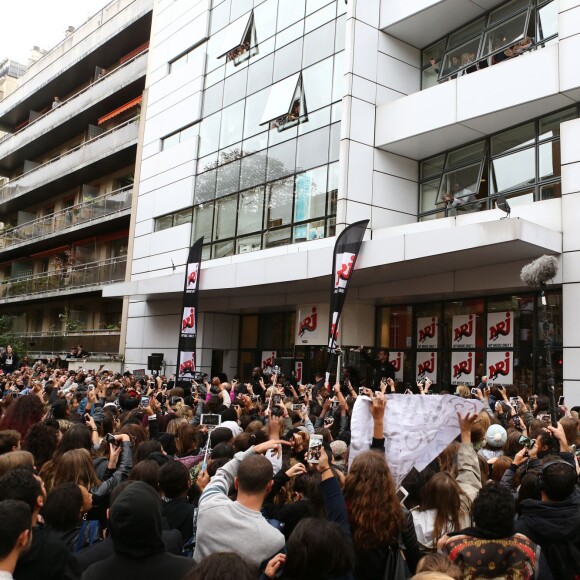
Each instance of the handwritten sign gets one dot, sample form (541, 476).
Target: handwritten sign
(417, 428)
(500, 329)
(463, 331)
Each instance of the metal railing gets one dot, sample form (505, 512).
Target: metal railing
(101, 145)
(79, 276)
(76, 215)
(109, 83)
(94, 341)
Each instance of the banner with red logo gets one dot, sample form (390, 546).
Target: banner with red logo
(500, 329)
(463, 331)
(298, 367)
(426, 366)
(427, 332)
(346, 250)
(268, 361)
(397, 360)
(309, 326)
(500, 367)
(188, 328)
(463, 368)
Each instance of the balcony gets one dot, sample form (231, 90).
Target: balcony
(117, 29)
(52, 174)
(461, 110)
(83, 277)
(95, 341)
(117, 86)
(103, 208)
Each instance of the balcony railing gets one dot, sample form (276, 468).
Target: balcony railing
(76, 277)
(83, 213)
(102, 145)
(104, 86)
(94, 341)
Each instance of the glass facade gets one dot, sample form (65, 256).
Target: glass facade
(259, 184)
(504, 33)
(523, 163)
(480, 332)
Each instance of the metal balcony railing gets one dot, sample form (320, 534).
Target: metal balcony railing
(88, 152)
(83, 213)
(104, 86)
(94, 341)
(75, 277)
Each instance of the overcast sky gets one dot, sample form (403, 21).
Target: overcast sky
(28, 23)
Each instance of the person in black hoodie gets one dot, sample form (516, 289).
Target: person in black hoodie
(553, 521)
(135, 526)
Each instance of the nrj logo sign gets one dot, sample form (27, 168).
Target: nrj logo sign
(344, 268)
(308, 323)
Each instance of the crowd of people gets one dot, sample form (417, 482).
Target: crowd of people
(106, 475)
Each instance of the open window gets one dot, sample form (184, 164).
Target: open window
(240, 42)
(286, 105)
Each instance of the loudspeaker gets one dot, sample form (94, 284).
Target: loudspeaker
(155, 361)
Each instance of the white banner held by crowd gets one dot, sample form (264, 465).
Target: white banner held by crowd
(417, 428)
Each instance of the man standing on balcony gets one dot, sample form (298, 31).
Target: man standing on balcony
(56, 103)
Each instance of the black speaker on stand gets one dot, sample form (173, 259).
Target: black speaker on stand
(155, 362)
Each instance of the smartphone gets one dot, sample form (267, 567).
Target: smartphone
(111, 439)
(276, 400)
(526, 441)
(532, 400)
(210, 420)
(335, 404)
(402, 495)
(561, 401)
(408, 392)
(255, 398)
(86, 417)
(297, 406)
(314, 449)
(145, 401)
(475, 391)
(545, 417)
(361, 391)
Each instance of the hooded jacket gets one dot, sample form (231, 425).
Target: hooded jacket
(135, 526)
(555, 526)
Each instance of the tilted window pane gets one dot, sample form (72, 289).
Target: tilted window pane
(550, 125)
(225, 218)
(550, 161)
(460, 57)
(251, 211)
(507, 9)
(310, 195)
(279, 205)
(513, 139)
(466, 32)
(516, 170)
(465, 155)
(504, 36)
(434, 51)
(547, 21)
(461, 183)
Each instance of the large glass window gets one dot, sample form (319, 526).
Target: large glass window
(523, 163)
(504, 33)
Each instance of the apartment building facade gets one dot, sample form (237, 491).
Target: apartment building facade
(270, 125)
(68, 158)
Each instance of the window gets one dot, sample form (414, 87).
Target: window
(286, 105)
(172, 220)
(523, 163)
(240, 42)
(181, 136)
(183, 59)
(504, 33)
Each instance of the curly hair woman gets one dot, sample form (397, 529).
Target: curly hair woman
(22, 414)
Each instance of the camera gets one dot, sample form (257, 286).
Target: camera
(475, 391)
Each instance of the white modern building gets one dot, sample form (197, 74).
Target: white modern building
(268, 125)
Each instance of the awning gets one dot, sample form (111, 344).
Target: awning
(236, 33)
(122, 108)
(280, 99)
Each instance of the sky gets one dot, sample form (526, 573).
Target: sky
(28, 23)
